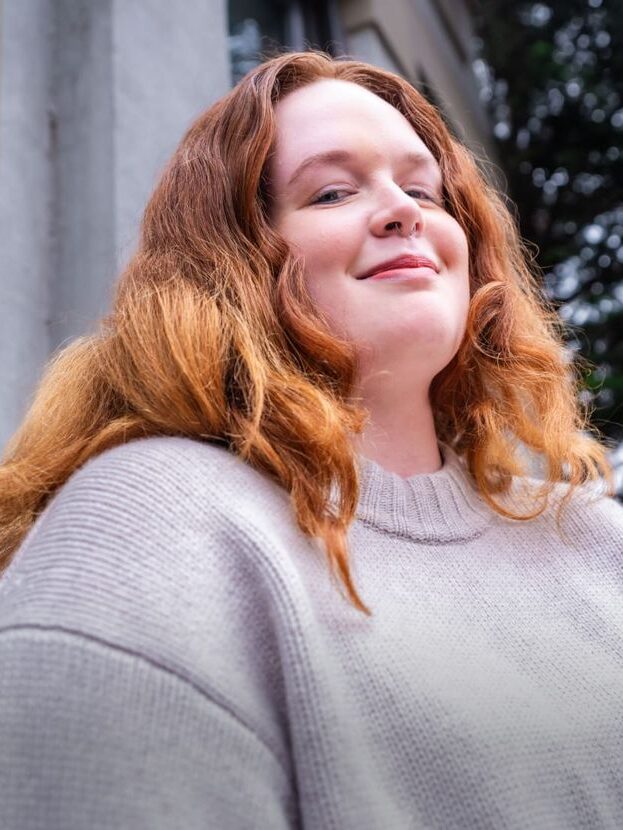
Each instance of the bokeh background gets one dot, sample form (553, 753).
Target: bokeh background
(551, 79)
(95, 95)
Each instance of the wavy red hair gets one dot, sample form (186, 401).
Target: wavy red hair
(213, 335)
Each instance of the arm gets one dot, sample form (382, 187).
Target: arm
(93, 736)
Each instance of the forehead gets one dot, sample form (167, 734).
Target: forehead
(332, 112)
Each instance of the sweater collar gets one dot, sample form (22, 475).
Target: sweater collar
(442, 506)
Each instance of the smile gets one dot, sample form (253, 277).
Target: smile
(404, 265)
(402, 274)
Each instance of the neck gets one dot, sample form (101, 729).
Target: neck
(399, 439)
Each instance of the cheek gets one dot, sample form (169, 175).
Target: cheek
(454, 249)
(327, 245)
(455, 241)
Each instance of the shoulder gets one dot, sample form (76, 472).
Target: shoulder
(168, 482)
(146, 525)
(585, 517)
(593, 516)
(170, 465)
(173, 552)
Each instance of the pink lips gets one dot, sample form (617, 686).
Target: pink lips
(407, 261)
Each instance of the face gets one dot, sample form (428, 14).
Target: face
(356, 190)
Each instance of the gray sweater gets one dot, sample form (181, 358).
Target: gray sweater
(175, 656)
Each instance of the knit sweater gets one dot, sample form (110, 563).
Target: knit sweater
(174, 655)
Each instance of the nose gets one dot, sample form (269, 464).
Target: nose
(398, 214)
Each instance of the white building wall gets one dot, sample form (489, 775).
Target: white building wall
(94, 97)
(424, 38)
(25, 202)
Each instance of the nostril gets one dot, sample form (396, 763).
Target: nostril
(401, 228)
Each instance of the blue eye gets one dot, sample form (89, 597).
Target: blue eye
(336, 194)
(325, 198)
(422, 194)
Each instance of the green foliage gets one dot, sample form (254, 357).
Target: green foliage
(552, 78)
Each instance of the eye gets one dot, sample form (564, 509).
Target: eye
(330, 196)
(419, 193)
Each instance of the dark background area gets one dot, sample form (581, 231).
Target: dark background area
(551, 76)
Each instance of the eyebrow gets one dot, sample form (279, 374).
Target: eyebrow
(343, 156)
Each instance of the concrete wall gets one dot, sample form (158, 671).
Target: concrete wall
(25, 202)
(94, 97)
(83, 108)
(424, 39)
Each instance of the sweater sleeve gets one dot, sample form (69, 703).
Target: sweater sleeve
(94, 736)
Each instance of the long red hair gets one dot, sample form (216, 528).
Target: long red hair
(213, 335)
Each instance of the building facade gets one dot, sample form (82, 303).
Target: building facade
(96, 94)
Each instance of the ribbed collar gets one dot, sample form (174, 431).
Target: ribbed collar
(442, 506)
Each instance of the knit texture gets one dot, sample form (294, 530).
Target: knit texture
(175, 655)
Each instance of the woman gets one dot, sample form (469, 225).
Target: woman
(327, 288)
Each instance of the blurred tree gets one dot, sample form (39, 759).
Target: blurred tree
(551, 75)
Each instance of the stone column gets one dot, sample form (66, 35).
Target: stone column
(95, 96)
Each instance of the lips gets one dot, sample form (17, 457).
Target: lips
(408, 261)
